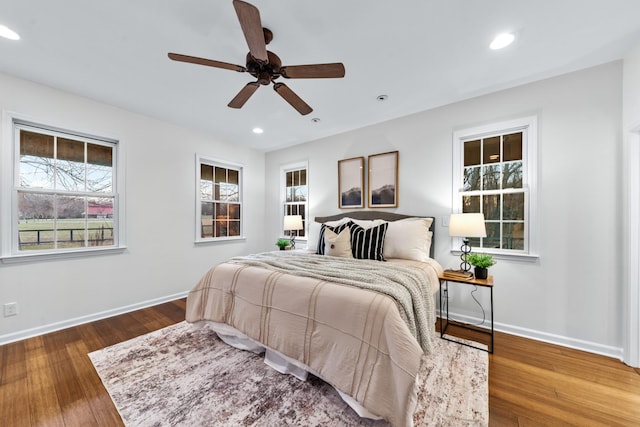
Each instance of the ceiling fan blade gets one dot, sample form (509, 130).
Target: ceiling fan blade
(249, 17)
(314, 71)
(294, 100)
(207, 62)
(244, 94)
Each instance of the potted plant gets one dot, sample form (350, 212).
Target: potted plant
(283, 243)
(481, 263)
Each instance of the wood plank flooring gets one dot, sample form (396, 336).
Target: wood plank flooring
(50, 381)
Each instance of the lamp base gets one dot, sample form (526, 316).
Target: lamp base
(466, 250)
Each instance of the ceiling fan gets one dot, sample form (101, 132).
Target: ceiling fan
(264, 65)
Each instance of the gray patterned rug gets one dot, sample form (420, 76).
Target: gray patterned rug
(181, 376)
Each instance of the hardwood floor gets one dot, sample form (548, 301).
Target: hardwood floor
(50, 381)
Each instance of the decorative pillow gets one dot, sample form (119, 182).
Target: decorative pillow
(408, 239)
(337, 229)
(337, 244)
(368, 223)
(368, 243)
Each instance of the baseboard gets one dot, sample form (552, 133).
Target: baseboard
(590, 347)
(52, 327)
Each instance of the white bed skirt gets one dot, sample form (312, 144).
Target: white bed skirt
(277, 360)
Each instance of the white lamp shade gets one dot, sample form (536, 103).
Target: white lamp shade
(467, 225)
(292, 222)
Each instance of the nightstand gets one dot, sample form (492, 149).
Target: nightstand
(445, 322)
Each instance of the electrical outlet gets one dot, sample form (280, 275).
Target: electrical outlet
(10, 309)
(445, 221)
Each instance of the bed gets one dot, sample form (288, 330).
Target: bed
(357, 310)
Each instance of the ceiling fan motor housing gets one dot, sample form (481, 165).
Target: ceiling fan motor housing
(265, 73)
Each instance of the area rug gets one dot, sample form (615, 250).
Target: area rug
(186, 376)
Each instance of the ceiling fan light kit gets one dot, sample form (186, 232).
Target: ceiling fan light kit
(264, 65)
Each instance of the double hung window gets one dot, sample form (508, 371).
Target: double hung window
(219, 209)
(64, 192)
(295, 196)
(495, 175)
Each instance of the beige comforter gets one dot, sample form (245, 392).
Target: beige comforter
(353, 338)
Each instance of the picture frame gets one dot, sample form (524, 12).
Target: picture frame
(351, 183)
(383, 180)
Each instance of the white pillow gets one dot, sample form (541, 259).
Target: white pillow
(338, 244)
(408, 239)
(337, 222)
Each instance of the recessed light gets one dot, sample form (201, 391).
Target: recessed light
(258, 130)
(315, 120)
(382, 97)
(502, 40)
(8, 33)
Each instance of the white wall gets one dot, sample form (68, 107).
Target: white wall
(573, 294)
(631, 79)
(161, 261)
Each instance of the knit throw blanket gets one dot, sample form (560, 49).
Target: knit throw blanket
(406, 285)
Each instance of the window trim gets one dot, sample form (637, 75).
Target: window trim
(212, 161)
(9, 158)
(529, 125)
(283, 197)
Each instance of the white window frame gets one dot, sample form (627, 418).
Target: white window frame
(283, 197)
(9, 162)
(529, 127)
(210, 161)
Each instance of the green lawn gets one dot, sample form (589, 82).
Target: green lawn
(47, 224)
(40, 234)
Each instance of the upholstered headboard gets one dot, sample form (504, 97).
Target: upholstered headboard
(371, 215)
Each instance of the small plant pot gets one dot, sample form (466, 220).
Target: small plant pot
(481, 273)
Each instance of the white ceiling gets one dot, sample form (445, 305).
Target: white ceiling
(421, 53)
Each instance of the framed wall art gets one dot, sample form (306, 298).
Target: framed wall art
(383, 180)
(351, 183)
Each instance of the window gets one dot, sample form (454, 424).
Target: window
(64, 194)
(295, 195)
(494, 173)
(219, 201)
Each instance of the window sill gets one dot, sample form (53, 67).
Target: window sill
(506, 257)
(219, 239)
(36, 257)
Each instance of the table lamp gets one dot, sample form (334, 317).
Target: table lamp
(291, 223)
(466, 225)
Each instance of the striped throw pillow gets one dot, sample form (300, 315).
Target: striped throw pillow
(367, 243)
